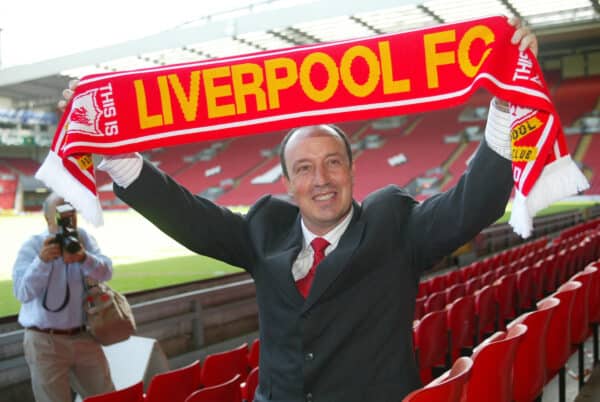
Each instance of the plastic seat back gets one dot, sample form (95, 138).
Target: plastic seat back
(133, 393)
(460, 316)
(472, 285)
(485, 310)
(580, 312)
(174, 385)
(506, 297)
(446, 388)
(491, 377)
(558, 341)
(218, 368)
(431, 343)
(436, 301)
(420, 307)
(248, 388)
(454, 292)
(529, 367)
(594, 313)
(228, 391)
(254, 354)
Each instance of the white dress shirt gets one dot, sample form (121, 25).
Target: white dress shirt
(305, 258)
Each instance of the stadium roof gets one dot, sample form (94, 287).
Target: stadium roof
(563, 27)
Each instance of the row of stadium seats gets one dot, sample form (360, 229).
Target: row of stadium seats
(538, 353)
(227, 376)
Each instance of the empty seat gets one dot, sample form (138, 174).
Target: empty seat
(446, 388)
(431, 343)
(248, 388)
(218, 368)
(558, 341)
(174, 385)
(529, 367)
(254, 354)
(460, 316)
(133, 393)
(228, 391)
(491, 376)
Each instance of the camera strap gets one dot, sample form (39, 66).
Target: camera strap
(67, 291)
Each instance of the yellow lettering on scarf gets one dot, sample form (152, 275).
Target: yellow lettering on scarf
(188, 103)
(389, 85)
(84, 161)
(214, 92)
(524, 154)
(476, 32)
(252, 87)
(165, 100)
(434, 58)
(525, 128)
(356, 89)
(146, 120)
(275, 83)
(333, 77)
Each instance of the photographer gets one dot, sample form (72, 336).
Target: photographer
(48, 281)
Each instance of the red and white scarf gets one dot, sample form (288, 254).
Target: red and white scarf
(409, 72)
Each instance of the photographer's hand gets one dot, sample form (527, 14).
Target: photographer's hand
(70, 258)
(50, 250)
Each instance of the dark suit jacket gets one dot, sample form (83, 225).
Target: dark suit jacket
(351, 339)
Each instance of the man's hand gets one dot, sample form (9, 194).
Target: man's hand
(526, 40)
(523, 36)
(67, 95)
(50, 250)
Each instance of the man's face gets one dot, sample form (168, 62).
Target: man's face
(320, 177)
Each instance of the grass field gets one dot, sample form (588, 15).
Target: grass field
(143, 257)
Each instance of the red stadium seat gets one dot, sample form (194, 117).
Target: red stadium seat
(420, 307)
(472, 285)
(174, 385)
(431, 343)
(248, 388)
(454, 292)
(506, 297)
(218, 368)
(486, 311)
(558, 341)
(446, 388)
(460, 315)
(228, 391)
(491, 377)
(595, 307)
(254, 354)
(529, 367)
(435, 302)
(580, 320)
(133, 393)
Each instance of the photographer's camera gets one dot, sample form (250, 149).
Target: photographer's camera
(67, 237)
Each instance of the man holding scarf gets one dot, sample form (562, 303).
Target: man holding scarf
(336, 280)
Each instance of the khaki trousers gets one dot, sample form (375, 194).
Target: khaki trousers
(59, 362)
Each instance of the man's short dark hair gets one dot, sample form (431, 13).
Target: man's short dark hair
(289, 135)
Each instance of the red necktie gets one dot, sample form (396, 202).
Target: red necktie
(319, 245)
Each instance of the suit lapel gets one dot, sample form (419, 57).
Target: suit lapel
(283, 261)
(337, 260)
